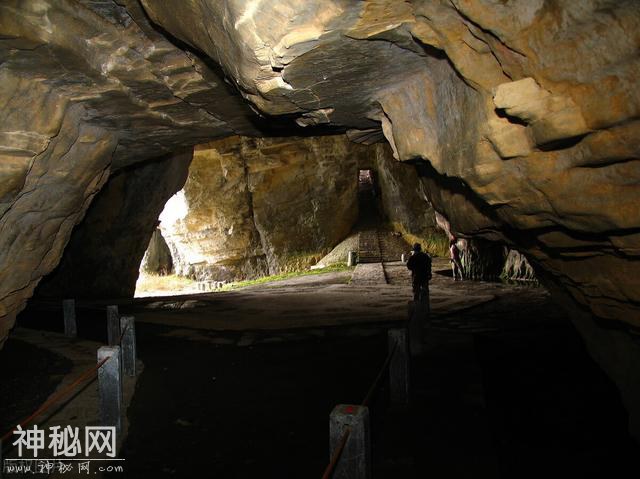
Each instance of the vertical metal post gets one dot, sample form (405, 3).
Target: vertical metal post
(69, 313)
(355, 460)
(351, 258)
(399, 367)
(113, 325)
(128, 345)
(110, 387)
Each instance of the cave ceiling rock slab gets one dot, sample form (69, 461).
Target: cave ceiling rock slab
(552, 117)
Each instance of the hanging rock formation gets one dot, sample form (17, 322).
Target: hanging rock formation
(515, 106)
(517, 268)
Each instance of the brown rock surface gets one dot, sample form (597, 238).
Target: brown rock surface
(466, 86)
(263, 206)
(526, 112)
(87, 88)
(405, 203)
(104, 252)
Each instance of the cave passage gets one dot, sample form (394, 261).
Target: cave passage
(366, 182)
(239, 183)
(368, 200)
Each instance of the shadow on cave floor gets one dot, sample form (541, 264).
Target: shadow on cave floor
(504, 389)
(29, 375)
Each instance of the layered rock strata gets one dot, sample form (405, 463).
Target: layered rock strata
(88, 88)
(263, 206)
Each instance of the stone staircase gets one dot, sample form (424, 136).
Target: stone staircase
(376, 244)
(392, 246)
(369, 247)
(379, 245)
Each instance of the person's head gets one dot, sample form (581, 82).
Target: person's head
(453, 241)
(417, 248)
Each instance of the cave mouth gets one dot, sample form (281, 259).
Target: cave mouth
(370, 215)
(366, 181)
(157, 271)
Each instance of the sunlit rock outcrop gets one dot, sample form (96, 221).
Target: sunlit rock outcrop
(262, 206)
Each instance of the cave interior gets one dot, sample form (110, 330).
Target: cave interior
(246, 180)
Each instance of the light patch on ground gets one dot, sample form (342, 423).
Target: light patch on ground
(169, 285)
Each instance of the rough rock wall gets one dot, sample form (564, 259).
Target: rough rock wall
(104, 252)
(47, 190)
(405, 204)
(264, 206)
(516, 107)
(157, 259)
(527, 112)
(517, 268)
(87, 88)
(481, 259)
(209, 225)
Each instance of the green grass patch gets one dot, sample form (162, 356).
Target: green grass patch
(334, 268)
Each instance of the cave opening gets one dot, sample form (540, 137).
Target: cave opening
(366, 183)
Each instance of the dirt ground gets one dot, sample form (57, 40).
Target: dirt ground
(240, 384)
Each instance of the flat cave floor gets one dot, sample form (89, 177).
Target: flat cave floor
(240, 384)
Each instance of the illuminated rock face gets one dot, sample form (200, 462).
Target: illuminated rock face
(263, 206)
(525, 113)
(253, 207)
(88, 89)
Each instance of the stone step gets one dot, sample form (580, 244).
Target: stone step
(391, 246)
(369, 247)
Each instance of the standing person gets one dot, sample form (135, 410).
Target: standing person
(420, 266)
(454, 254)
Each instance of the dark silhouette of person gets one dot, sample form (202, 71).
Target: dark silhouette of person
(420, 266)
